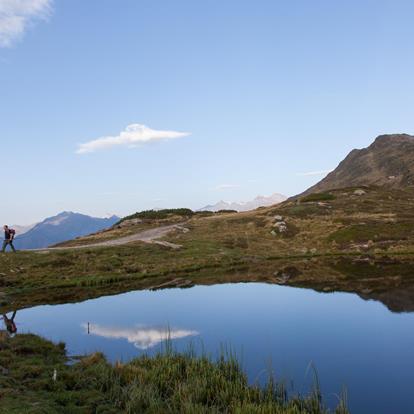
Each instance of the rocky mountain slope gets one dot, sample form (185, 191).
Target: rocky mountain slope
(388, 161)
(259, 201)
(64, 226)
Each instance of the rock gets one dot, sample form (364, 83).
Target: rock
(361, 260)
(281, 226)
(175, 283)
(278, 218)
(128, 223)
(359, 192)
(289, 272)
(167, 244)
(273, 233)
(183, 229)
(313, 251)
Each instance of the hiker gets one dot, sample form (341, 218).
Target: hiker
(9, 322)
(8, 238)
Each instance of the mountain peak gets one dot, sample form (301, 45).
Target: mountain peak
(388, 161)
(64, 226)
(389, 139)
(259, 201)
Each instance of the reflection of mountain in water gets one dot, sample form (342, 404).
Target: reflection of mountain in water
(396, 300)
(141, 337)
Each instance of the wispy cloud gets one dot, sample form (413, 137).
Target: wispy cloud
(227, 186)
(17, 15)
(312, 173)
(141, 337)
(132, 136)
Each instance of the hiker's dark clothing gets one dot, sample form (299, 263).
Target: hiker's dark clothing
(8, 240)
(8, 243)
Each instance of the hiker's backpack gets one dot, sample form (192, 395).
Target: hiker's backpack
(12, 232)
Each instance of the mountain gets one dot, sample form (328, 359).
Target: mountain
(64, 226)
(21, 229)
(259, 201)
(388, 161)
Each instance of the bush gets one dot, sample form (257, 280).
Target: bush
(160, 214)
(318, 197)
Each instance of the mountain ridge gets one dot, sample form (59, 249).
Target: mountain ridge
(259, 201)
(388, 161)
(64, 226)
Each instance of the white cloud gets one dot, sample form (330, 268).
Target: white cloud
(227, 186)
(141, 337)
(312, 173)
(132, 136)
(17, 15)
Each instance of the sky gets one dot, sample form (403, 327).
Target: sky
(115, 106)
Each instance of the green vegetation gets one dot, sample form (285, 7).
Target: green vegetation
(373, 231)
(167, 383)
(160, 214)
(318, 197)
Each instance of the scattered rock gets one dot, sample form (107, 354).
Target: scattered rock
(313, 251)
(278, 218)
(359, 192)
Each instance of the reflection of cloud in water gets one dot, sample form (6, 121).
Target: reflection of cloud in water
(142, 337)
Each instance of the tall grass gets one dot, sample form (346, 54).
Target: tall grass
(169, 382)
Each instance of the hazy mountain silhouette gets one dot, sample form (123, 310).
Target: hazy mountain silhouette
(64, 226)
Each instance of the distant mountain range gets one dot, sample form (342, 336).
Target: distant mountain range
(65, 226)
(22, 229)
(387, 162)
(259, 201)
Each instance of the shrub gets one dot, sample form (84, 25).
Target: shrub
(318, 197)
(159, 214)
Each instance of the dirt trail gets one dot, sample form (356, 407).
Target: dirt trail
(146, 236)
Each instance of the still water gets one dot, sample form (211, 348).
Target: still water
(352, 342)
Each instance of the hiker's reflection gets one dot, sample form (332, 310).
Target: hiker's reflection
(10, 324)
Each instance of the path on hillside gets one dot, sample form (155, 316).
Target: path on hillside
(146, 236)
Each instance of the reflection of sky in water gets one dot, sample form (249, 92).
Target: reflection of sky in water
(351, 342)
(141, 337)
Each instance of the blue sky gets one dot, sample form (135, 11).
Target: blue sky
(266, 91)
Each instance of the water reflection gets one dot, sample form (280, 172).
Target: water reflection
(142, 337)
(9, 323)
(396, 300)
